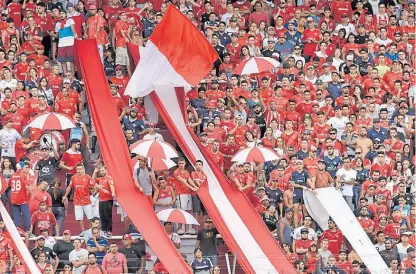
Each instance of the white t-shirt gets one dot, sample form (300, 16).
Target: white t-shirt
(338, 124)
(347, 175)
(9, 138)
(80, 254)
(156, 136)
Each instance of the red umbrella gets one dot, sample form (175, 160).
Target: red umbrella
(176, 216)
(154, 149)
(256, 65)
(52, 121)
(255, 154)
(3, 185)
(155, 163)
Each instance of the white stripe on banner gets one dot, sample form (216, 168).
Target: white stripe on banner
(334, 204)
(252, 251)
(316, 210)
(30, 263)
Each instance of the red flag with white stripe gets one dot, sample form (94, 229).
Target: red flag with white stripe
(177, 55)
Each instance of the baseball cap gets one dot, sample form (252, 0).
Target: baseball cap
(376, 120)
(66, 81)
(40, 237)
(93, 7)
(309, 19)
(265, 198)
(261, 188)
(151, 124)
(208, 220)
(67, 232)
(134, 109)
(319, 82)
(282, 35)
(345, 85)
(44, 147)
(118, 67)
(127, 236)
(70, 5)
(349, 58)
(304, 230)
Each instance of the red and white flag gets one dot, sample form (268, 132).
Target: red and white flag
(176, 55)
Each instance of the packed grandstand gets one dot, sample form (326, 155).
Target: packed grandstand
(302, 98)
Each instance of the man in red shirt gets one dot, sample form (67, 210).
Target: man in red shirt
(82, 183)
(216, 154)
(6, 252)
(228, 149)
(39, 195)
(120, 40)
(66, 105)
(70, 159)
(184, 185)
(42, 219)
(300, 247)
(334, 237)
(20, 188)
(121, 81)
(343, 263)
(311, 37)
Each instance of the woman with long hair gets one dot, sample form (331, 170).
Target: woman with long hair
(274, 124)
(362, 175)
(407, 153)
(244, 53)
(340, 40)
(268, 140)
(7, 171)
(262, 29)
(31, 80)
(42, 264)
(269, 217)
(251, 140)
(311, 257)
(46, 91)
(288, 253)
(67, 269)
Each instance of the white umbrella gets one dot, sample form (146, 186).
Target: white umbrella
(176, 216)
(255, 154)
(154, 149)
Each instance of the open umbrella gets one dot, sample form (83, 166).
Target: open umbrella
(256, 65)
(255, 154)
(155, 163)
(51, 121)
(176, 216)
(153, 149)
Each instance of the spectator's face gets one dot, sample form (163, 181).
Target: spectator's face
(388, 244)
(331, 261)
(91, 259)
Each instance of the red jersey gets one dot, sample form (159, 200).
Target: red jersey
(384, 169)
(228, 152)
(199, 177)
(82, 185)
(20, 71)
(19, 194)
(18, 121)
(41, 220)
(335, 239)
(302, 244)
(179, 186)
(71, 158)
(119, 103)
(122, 84)
(38, 196)
(5, 247)
(392, 231)
(66, 106)
(55, 83)
(105, 182)
(15, 12)
(217, 157)
(347, 266)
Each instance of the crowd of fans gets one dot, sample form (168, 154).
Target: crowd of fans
(339, 112)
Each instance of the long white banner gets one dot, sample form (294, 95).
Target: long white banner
(329, 202)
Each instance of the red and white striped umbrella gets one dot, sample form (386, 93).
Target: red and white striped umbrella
(3, 185)
(155, 163)
(154, 149)
(255, 154)
(176, 216)
(52, 121)
(256, 65)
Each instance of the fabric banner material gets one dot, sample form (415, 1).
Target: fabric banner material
(333, 203)
(117, 158)
(316, 210)
(22, 252)
(256, 249)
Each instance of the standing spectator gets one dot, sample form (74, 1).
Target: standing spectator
(6, 252)
(95, 29)
(20, 187)
(300, 181)
(115, 262)
(43, 219)
(70, 159)
(63, 249)
(97, 245)
(145, 179)
(346, 179)
(46, 166)
(42, 249)
(58, 205)
(78, 257)
(334, 237)
(38, 195)
(206, 240)
(82, 184)
(135, 258)
(66, 34)
(200, 264)
(8, 138)
(106, 196)
(92, 266)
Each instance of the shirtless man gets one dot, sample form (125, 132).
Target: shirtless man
(288, 199)
(363, 142)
